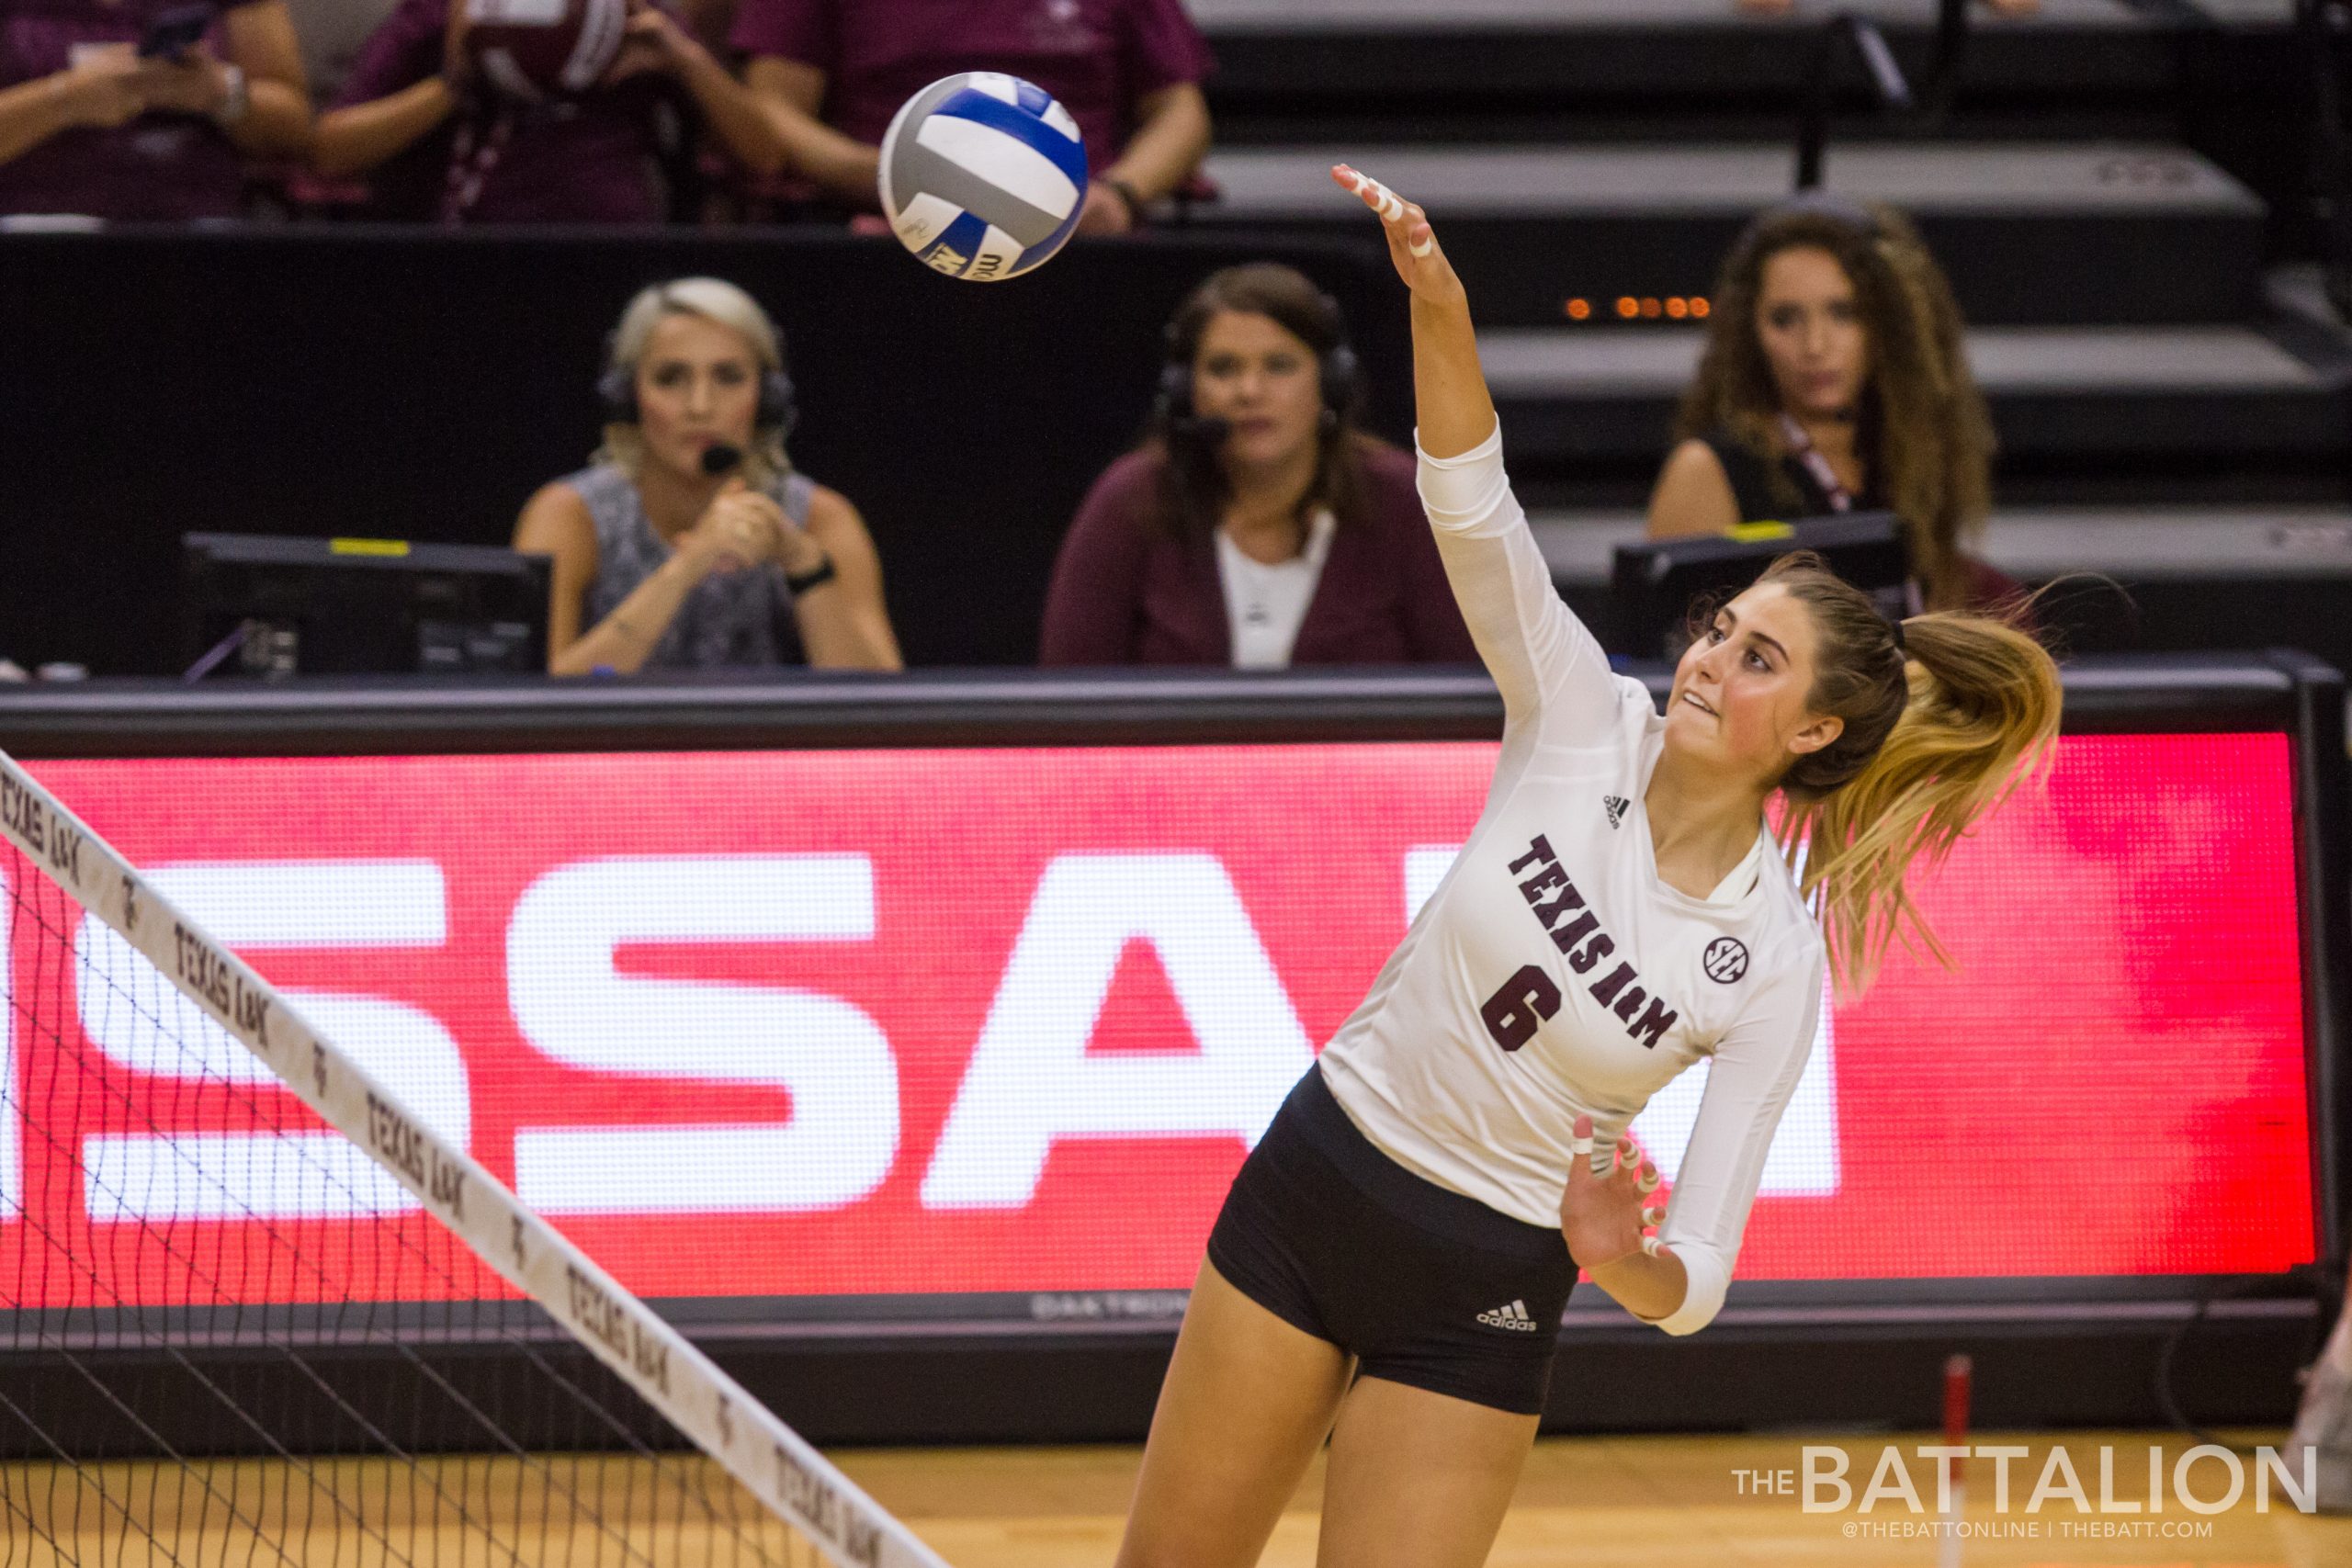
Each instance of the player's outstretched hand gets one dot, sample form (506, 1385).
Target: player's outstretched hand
(1412, 243)
(1605, 1218)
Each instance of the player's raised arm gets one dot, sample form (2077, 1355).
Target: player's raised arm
(1542, 660)
(1455, 412)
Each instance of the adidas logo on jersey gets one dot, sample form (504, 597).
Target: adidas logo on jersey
(1615, 806)
(1513, 1316)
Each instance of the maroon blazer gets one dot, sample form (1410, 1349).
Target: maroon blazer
(1126, 594)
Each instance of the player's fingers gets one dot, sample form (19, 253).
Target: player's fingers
(1648, 1183)
(1371, 192)
(1655, 1247)
(1654, 1215)
(1420, 240)
(1580, 1150)
(1366, 189)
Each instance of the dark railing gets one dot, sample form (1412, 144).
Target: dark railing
(2320, 25)
(1848, 34)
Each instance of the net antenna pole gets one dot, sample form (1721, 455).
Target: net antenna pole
(774, 1462)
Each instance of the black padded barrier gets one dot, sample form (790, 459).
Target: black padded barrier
(409, 384)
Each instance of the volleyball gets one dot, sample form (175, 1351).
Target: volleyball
(983, 175)
(533, 49)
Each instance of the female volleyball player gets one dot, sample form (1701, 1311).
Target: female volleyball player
(690, 542)
(1391, 1264)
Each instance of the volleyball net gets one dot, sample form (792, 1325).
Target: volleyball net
(279, 1315)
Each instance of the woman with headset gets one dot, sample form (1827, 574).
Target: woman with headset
(1256, 526)
(689, 542)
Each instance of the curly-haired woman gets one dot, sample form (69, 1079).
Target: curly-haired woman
(1835, 379)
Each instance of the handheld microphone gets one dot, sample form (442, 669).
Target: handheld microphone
(720, 460)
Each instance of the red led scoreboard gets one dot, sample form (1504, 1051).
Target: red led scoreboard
(984, 1029)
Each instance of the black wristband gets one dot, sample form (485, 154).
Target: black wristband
(808, 579)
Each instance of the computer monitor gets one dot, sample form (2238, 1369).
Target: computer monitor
(1653, 582)
(262, 605)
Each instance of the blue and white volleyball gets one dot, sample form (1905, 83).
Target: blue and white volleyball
(983, 175)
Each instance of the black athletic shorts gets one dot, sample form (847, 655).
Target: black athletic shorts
(1423, 1286)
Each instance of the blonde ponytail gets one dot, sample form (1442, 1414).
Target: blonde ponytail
(1938, 730)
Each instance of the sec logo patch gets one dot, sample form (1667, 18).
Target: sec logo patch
(1725, 959)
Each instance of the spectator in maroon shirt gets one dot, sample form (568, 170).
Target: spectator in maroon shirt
(88, 127)
(831, 73)
(1256, 526)
(436, 144)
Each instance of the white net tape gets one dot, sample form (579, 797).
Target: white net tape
(774, 1462)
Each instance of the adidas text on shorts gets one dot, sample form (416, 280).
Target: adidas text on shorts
(1423, 1286)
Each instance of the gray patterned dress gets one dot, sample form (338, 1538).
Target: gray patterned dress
(731, 619)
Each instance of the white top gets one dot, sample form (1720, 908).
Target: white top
(1553, 974)
(1266, 604)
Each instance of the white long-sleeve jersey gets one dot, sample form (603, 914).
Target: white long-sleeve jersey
(1553, 974)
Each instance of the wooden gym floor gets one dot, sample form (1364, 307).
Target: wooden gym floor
(1652, 1502)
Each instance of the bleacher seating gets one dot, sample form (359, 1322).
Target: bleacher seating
(2175, 408)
